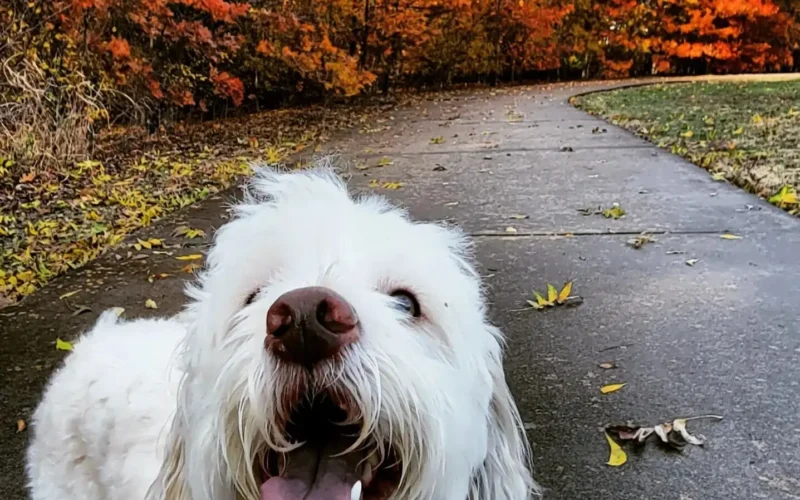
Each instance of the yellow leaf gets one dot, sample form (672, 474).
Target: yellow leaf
(617, 455)
(728, 236)
(437, 140)
(63, 345)
(687, 134)
(718, 176)
(150, 304)
(606, 389)
(144, 244)
(552, 293)
(194, 256)
(786, 196)
(68, 294)
(615, 212)
(757, 119)
(738, 131)
(190, 268)
(534, 305)
(563, 295)
(20, 425)
(541, 301)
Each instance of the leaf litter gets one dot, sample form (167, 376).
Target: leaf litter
(674, 434)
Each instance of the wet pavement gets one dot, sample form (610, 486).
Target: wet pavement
(719, 337)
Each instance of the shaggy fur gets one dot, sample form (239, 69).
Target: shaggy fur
(189, 404)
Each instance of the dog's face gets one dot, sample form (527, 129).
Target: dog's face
(337, 351)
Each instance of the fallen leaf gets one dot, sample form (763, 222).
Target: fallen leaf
(615, 212)
(692, 262)
(187, 232)
(617, 455)
(68, 294)
(80, 309)
(118, 311)
(63, 345)
(728, 236)
(194, 256)
(567, 149)
(607, 389)
(672, 433)
(159, 276)
(563, 295)
(20, 425)
(385, 161)
(679, 424)
(190, 268)
(437, 140)
(641, 241)
(607, 366)
(687, 134)
(150, 304)
(511, 230)
(786, 196)
(718, 176)
(630, 432)
(552, 293)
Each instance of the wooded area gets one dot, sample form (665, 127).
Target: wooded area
(71, 66)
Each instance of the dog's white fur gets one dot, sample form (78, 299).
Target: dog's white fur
(187, 404)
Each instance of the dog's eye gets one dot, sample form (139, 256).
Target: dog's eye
(406, 302)
(250, 298)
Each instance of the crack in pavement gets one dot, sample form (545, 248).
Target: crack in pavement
(529, 234)
(503, 150)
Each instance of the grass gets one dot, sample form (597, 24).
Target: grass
(61, 215)
(746, 133)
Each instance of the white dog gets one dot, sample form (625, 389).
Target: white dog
(333, 350)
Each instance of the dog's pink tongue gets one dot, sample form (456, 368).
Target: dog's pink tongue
(311, 473)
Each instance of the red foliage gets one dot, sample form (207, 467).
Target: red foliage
(200, 52)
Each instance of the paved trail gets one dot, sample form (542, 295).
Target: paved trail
(718, 337)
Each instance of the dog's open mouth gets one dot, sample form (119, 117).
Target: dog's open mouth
(320, 469)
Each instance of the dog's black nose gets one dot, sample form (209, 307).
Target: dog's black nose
(308, 325)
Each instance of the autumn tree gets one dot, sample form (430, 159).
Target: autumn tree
(701, 36)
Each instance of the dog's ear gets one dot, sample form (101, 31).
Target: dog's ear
(171, 481)
(506, 473)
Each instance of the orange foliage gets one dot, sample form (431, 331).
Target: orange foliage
(206, 53)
